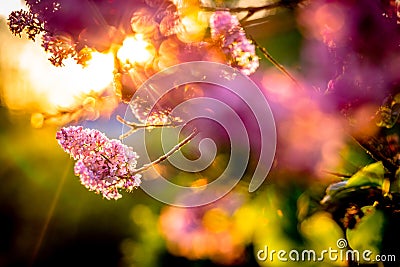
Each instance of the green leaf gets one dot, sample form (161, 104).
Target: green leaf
(367, 234)
(372, 174)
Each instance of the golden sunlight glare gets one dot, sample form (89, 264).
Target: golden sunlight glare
(7, 6)
(65, 84)
(29, 72)
(135, 50)
(194, 28)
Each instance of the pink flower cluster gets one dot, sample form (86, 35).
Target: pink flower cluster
(103, 165)
(226, 29)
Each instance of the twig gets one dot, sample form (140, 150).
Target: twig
(136, 126)
(244, 9)
(169, 153)
(376, 155)
(254, 9)
(276, 63)
(248, 15)
(341, 175)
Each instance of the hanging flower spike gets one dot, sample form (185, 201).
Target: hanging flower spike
(226, 29)
(103, 165)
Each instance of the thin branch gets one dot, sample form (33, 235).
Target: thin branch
(376, 155)
(276, 63)
(169, 153)
(254, 9)
(248, 15)
(136, 126)
(341, 175)
(244, 9)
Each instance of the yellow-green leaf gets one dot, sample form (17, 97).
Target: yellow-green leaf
(367, 234)
(372, 174)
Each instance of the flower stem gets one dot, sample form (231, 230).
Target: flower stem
(168, 154)
(276, 63)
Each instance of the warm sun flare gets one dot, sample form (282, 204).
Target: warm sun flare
(72, 80)
(52, 87)
(7, 6)
(135, 50)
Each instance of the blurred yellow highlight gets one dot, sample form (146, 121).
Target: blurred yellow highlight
(7, 6)
(28, 72)
(199, 183)
(216, 220)
(135, 50)
(194, 27)
(217, 232)
(64, 84)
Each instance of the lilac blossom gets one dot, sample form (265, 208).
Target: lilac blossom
(59, 48)
(23, 21)
(226, 29)
(103, 165)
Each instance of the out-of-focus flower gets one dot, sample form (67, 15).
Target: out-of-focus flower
(103, 165)
(351, 52)
(226, 29)
(398, 11)
(207, 232)
(304, 126)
